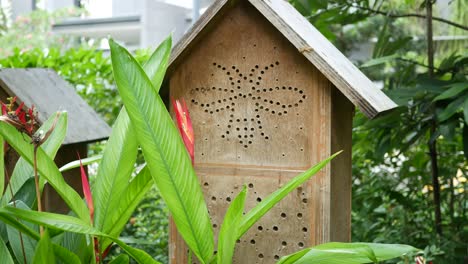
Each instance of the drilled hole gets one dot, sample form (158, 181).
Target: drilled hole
(206, 184)
(213, 198)
(304, 200)
(260, 228)
(252, 242)
(215, 225)
(304, 229)
(259, 199)
(251, 185)
(276, 257)
(284, 243)
(283, 215)
(299, 215)
(300, 244)
(228, 199)
(275, 228)
(260, 255)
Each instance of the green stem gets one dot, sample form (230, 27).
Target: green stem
(38, 191)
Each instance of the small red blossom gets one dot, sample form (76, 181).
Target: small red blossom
(19, 118)
(184, 123)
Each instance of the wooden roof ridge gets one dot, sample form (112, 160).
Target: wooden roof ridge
(333, 64)
(49, 93)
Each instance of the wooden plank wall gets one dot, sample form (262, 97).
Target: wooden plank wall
(262, 114)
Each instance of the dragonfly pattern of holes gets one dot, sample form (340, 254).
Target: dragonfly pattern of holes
(243, 89)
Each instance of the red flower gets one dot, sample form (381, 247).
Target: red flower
(185, 126)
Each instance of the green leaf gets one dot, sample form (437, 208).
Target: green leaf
(23, 169)
(120, 259)
(76, 163)
(2, 165)
(465, 140)
(130, 199)
(452, 109)
(72, 224)
(115, 171)
(46, 168)
(454, 90)
(264, 206)
(65, 255)
(112, 189)
(164, 152)
(156, 66)
(347, 253)
(228, 233)
(5, 256)
(44, 250)
(23, 246)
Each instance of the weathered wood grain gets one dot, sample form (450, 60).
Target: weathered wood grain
(262, 113)
(308, 41)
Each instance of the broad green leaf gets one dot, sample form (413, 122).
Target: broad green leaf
(452, 108)
(2, 165)
(72, 224)
(23, 169)
(65, 255)
(76, 163)
(347, 253)
(5, 256)
(120, 259)
(46, 168)
(156, 66)
(454, 90)
(44, 250)
(115, 170)
(164, 152)
(22, 245)
(114, 173)
(230, 227)
(130, 199)
(139, 255)
(264, 206)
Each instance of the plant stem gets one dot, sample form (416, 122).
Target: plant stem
(433, 138)
(38, 191)
(14, 205)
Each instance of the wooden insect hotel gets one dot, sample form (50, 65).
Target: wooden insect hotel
(269, 97)
(49, 93)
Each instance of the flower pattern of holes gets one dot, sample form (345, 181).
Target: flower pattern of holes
(241, 128)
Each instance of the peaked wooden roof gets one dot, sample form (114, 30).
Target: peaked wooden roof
(309, 41)
(49, 93)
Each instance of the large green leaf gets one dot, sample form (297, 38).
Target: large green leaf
(164, 152)
(5, 256)
(65, 256)
(264, 206)
(130, 199)
(230, 227)
(454, 90)
(120, 259)
(44, 250)
(23, 246)
(452, 108)
(72, 224)
(114, 197)
(115, 171)
(23, 169)
(347, 253)
(76, 163)
(2, 165)
(46, 168)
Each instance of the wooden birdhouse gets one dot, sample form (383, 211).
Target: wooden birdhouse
(269, 97)
(49, 93)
